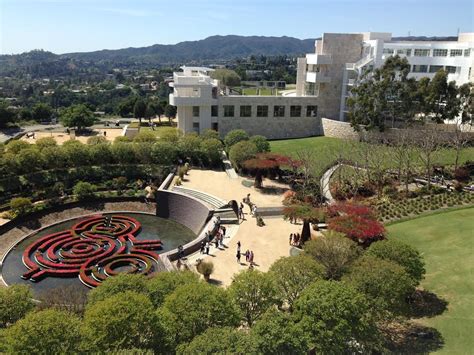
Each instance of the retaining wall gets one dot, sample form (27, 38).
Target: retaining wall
(338, 129)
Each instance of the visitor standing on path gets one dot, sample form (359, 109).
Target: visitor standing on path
(203, 247)
(207, 248)
(238, 256)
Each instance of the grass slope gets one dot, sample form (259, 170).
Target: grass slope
(327, 149)
(446, 241)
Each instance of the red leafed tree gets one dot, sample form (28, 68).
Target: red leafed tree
(361, 229)
(308, 214)
(357, 222)
(264, 163)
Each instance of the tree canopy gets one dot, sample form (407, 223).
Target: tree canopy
(77, 116)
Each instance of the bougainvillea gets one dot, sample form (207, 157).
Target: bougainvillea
(266, 162)
(93, 249)
(356, 227)
(351, 209)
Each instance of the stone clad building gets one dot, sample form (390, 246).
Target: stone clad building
(324, 80)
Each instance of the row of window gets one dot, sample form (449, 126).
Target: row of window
(426, 52)
(432, 69)
(262, 111)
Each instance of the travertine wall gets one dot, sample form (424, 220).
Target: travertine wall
(273, 127)
(338, 129)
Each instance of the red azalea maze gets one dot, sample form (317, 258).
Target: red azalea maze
(93, 249)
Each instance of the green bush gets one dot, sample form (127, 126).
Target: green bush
(20, 205)
(84, 190)
(241, 152)
(235, 136)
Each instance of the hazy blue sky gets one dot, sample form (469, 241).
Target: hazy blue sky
(83, 25)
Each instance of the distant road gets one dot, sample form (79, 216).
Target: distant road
(10, 133)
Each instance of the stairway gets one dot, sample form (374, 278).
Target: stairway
(212, 201)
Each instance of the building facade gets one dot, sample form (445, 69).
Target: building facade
(324, 80)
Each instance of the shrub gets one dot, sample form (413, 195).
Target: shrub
(241, 152)
(20, 205)
(15, 302)
(361, 229)
(206, 268)
(461, 174)
(181, 172)
(235, 136)
(84, 190)
(145, 136)
(96, 140)
(401, 253)
(261, 143)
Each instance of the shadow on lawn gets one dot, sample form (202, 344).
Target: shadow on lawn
(411, 338)
(424, 303)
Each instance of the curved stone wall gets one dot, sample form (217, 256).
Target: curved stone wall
(183, 209)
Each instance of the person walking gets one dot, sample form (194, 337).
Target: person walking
(238, 256)
(224, 230)
(203, 247)
(238, 246)
(241, 212)
(291, 238)
(247, 255)
(207, 248)
(251, 258)
(216, 240)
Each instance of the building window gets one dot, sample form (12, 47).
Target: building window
(420, 69)
(388, 51)
(422, 52)
(440, 52)
(467, 52)
(214, 110)
(196, 126)
(406, 52)
(278, 111)
(215, 126)
(455, 52)
(228, 111)
(195, 111)
(435, 68)
(450, 70)
(245, 111)
(311, 111)
(295, 111)
(262, 111)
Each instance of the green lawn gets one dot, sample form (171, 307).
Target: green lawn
(447, 243)
(253, 91)
(327, 149)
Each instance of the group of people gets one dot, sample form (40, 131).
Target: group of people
(249, 255)
(253, 210)
(218, 237)
(295, 239)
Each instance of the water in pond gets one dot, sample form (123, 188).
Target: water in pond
(170, 233)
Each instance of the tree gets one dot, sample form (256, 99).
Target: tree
(123, 153)
(165, 153)
(307, 213)
(292, 274)
(45, 142)
(20, 205)
(442, 101)
(335, 317)
(29, 159)
(122, 321)
(385, 94)
(466, 97)
(44, 332)
(428, 143)
(170, 134)
(150, 111)
(15, 302)
(76, 153)
(241, 152)
(94, 140)
(213, 149)
(402, 254)
(164, 283)
(41, 112)
(264, 163)
(84, 190)
(276, 333)
(205, 268)
(77, 116)
(235, 136)
(253, 292)
(261, 143)
(170, 112)
(7, 115)
(193, 308)
(209, 134)
(139, 110)
(145, 137)
(226, 77)
(385, 283)
(225, 340)
(72, 299)
(116, 285)
(334, 252)
(15, 146)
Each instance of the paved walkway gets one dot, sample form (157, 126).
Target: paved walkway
(13, 132)
(268, 243)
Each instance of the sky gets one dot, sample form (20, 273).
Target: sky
(63, 26)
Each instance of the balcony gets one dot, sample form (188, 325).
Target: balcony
(318, 59)
(313, 77)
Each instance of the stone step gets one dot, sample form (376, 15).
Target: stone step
(209, 199)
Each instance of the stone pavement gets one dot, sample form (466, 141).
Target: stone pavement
(268, 243)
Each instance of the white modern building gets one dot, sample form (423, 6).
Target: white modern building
(324, 80)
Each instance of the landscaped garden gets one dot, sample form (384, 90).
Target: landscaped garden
(446, 240)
